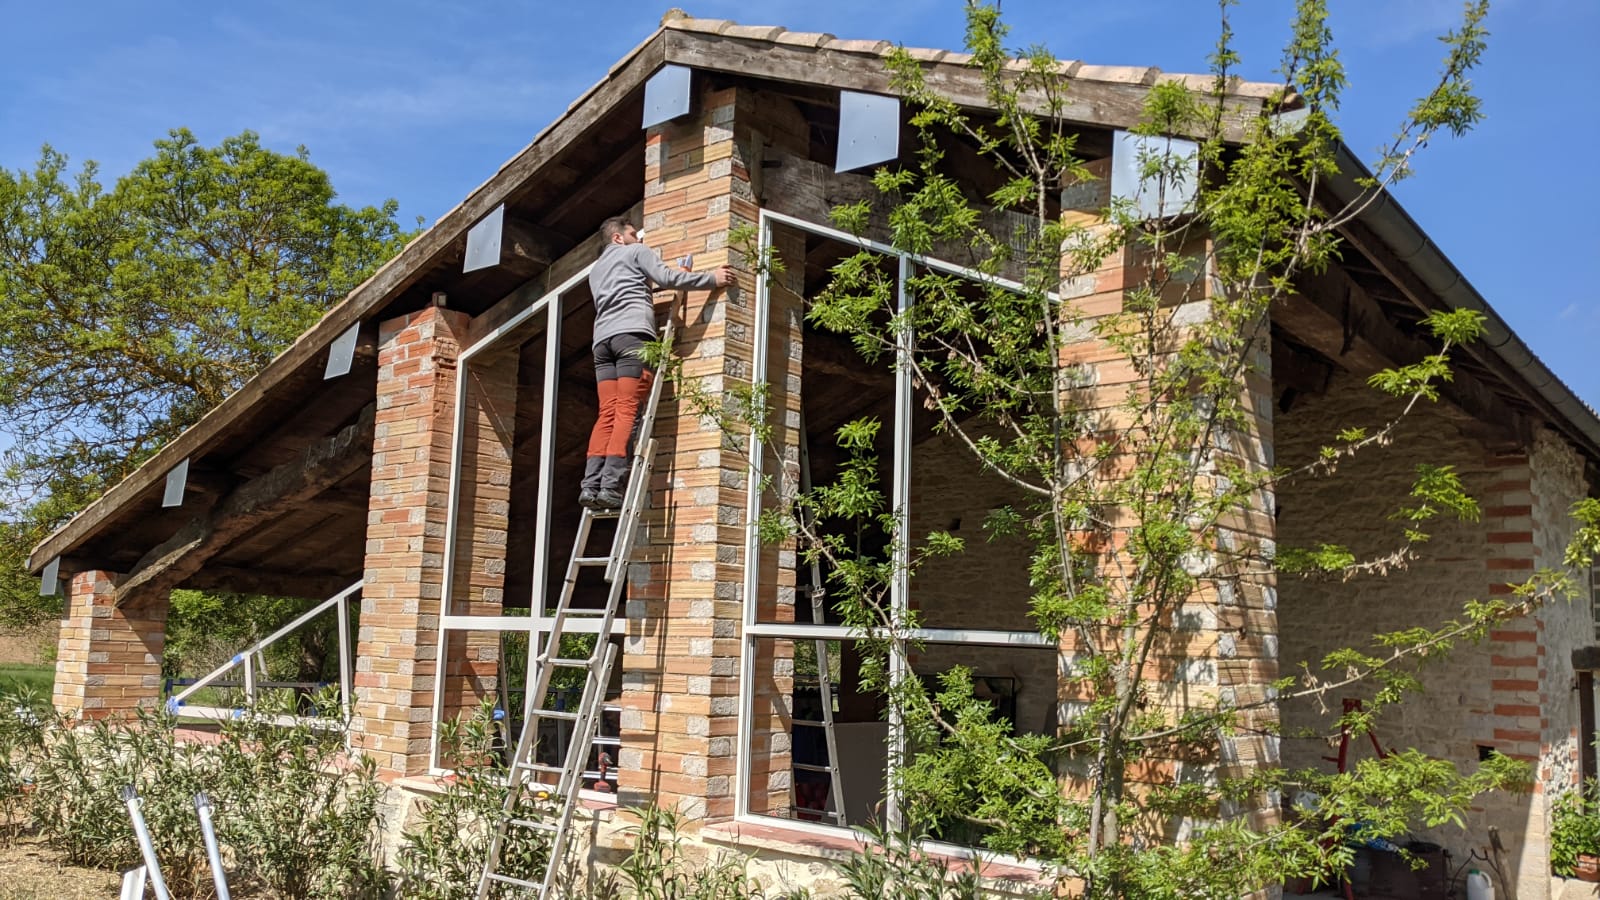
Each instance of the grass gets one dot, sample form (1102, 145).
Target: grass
(38, 678)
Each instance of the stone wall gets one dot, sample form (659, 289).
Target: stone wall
(681, 655)
(1508, 693)
(396, 647)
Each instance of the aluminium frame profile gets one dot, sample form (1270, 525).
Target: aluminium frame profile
(752, 631)
(535, 626)
(176, 703)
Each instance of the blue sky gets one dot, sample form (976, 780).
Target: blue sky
(422, 101)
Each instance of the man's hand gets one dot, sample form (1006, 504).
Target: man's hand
(724, 276)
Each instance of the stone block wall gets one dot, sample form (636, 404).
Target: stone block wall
(685, 606)
(1511, 693)
(1219, 644)
(108, 658)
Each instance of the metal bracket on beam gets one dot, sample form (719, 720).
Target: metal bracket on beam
(50, 579)
(342, 353)
(1168, 191)
(177, 480)
(667, 95)
(483, 241)
(869, 130)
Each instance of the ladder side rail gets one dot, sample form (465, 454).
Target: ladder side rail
(514, 778)
(577, 753)
(819, 617)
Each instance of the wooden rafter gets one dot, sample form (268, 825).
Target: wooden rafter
(320, 466)
(1337, 318)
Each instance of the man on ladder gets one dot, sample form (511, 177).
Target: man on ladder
(624, 321)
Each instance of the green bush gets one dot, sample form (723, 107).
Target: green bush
(1574, 829)
(442, 856)
(300, 816)
(294, 818)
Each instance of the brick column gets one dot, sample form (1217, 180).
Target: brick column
(108, 659)
(681, 657)
(406, 538)
(1220, 645)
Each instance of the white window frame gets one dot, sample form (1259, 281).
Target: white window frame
(899, 595)
(537, 625)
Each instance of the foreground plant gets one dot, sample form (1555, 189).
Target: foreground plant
(1138, 492)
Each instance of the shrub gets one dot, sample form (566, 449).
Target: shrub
(442, 856)
(300, 816)
(293, 815)
(1574, 829)
(77, 805)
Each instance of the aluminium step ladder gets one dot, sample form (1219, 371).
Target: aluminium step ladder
(561, 784)
(818, 595)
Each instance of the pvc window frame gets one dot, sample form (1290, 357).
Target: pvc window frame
(754, 631)
(537, 626)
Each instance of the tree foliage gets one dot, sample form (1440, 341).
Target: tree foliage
(1138, 499)
(128, 312)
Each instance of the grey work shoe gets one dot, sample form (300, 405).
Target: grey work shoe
(586, 498)
(604, 499)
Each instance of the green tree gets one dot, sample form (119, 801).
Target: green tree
(1128, 522)
(127, 313)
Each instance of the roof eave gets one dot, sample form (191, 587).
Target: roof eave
(1394, 227)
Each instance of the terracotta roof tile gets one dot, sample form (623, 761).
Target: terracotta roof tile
(1193, 82)
(755, 32)
(804, 38)
(1118, 74)
(926, 54)
(1134, 75)
(709, 26)
(870, 48)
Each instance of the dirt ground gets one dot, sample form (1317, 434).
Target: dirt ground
(27, 648)
(32, 871)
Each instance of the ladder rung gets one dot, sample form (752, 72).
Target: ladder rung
(595, 561)
(809, 723)
(604, 741)
(807, 767)
(570, 663)
(535, 824)
(604, 513)
(541, 767)
(507, 879)
(585, 613)
(565, 715)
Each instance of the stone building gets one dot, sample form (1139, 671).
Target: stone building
(421, 442)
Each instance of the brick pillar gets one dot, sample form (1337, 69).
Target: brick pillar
(1220, 645)
(406, 524)
(108, 661)
(681, 657)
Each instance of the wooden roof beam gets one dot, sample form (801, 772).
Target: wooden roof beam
(1335, 317)
(267, 582)
(322, 465)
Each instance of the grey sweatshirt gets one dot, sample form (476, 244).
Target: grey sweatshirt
(620, 282)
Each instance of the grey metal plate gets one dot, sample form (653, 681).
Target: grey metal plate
(666, 95)
(342, 353)
(869, 130)
(177, 480)
(1155, 199)
(483, 241)
(50, 579)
